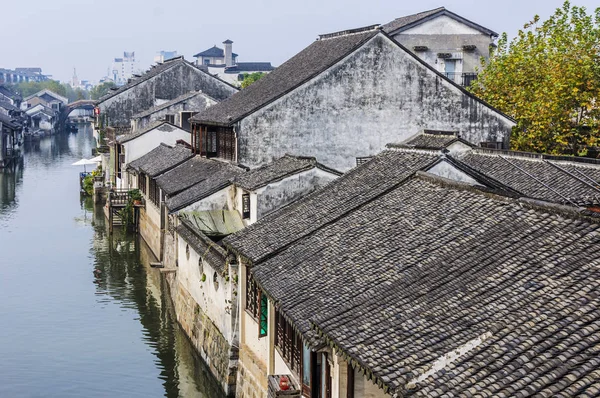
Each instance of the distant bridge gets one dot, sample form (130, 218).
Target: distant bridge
(85, 105)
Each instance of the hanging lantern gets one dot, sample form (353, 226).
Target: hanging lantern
(284, 383)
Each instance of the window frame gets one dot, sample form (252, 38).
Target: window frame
(246, 206)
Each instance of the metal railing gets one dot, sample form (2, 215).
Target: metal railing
(120, 197)
(464, 79)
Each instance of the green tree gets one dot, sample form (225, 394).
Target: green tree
(28, 88)
(101, 90)
(250, 78)
(548, 79)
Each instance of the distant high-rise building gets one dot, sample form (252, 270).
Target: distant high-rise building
(124, 68)
(163, 56)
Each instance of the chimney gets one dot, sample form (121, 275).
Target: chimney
(228, 53)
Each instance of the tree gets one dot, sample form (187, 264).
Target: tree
(250, 78)
(548, 80)
(101, 90)
(28, 88)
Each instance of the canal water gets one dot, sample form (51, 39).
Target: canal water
(65, 330)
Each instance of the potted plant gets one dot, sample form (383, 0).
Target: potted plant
(136, 196)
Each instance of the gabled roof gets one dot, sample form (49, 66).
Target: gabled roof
(278, 170)
(194, 181)
(241, 67)
(154, 71)
(353, 189)
(568, 180)
(8, 122)
(8, 106)
(305, 65)
(9, 93)
(161, 159)
(403, 23)
(212, 253)
(161, 125)
(213, 52)
(181, 98)
(429, 139)
(47, 93)
(435, 289)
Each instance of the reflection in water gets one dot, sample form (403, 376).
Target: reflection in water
(68, 330)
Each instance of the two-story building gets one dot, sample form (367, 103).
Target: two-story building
(341, 99)
(450, 43)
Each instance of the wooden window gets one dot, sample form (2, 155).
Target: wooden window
(185, 120)
(263, 324)
(142, 182)
(170, 118)
(154, 193)
(246, 206)
(252, 299)
(288, 342)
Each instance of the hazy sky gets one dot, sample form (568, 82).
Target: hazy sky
(58, 35)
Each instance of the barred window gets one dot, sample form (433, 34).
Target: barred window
(288, 342)
(252, 299)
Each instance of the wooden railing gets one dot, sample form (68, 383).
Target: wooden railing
(120, 197)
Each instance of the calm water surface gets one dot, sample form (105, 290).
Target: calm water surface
(64, 331)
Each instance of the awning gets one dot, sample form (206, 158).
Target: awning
(83, 162)
(216, 222)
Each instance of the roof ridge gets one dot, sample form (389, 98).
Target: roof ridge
(349, 32)
(534, 204)
(536, 156)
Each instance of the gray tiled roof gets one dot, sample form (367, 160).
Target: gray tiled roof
(191, 172)
(241, 67)
(277, 170)
(213, 52)
(410, 19)
(161, 159)
(8, 121)
(154, 71)
(159, 124)
(402, 23)
(8, 106)
(431, 140)
(429, 268)
(167, 104)
(355, 188)
(209, 177)
(537, 176)
(311, 61)
(212, 253)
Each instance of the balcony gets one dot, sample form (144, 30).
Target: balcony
(464, 79)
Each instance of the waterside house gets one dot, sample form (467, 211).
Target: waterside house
(11, 139)
(161, 84)
(177, 111)
(341, 99)
(335, 300)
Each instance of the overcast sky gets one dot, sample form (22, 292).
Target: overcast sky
(58, 35)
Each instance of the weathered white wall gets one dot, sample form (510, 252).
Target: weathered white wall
(278, 194)
(444, 34)
(376, 95)
(217, 201)
(166, 85)
(447, 170)
(143, 144)
(194, 104)
(149, 226)
(280, 367)
(258, 346)
(212, 301)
